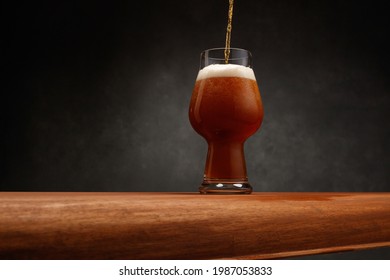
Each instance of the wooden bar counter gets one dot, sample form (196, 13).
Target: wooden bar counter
(113, 225)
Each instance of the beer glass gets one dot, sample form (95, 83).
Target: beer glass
(225, 109)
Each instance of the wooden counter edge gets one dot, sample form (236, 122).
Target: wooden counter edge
(179, 226)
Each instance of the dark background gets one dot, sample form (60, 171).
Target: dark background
(96, 94)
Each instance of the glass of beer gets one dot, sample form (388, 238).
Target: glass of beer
(225, 110)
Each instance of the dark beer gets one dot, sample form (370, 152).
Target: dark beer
(226, 109)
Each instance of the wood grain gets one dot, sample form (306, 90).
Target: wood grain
(189, 225)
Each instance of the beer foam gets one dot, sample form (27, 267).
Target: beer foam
(226, 70)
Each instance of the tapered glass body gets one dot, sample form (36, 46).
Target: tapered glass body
(225, 109)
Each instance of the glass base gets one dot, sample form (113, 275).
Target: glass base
(225, 188)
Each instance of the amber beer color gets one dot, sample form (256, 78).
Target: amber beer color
(225, 109)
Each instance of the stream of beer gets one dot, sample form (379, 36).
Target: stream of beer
(229, 31)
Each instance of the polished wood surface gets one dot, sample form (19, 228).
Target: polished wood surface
(105, 225)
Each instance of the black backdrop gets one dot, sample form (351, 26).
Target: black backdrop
(96, 94)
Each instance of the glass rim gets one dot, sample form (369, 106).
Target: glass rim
(237, 56)
(218, 54)
(223, 49)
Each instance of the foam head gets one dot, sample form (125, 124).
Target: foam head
(226, 70)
